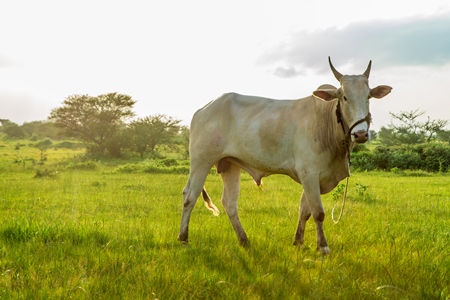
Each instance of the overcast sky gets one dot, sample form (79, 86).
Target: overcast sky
(175, 56)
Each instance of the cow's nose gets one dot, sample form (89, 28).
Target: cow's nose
(361, 136)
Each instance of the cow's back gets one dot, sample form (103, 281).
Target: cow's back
(235, 118)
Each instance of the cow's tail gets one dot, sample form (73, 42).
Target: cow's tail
(208, 203)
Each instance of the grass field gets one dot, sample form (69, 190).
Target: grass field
(101, 234)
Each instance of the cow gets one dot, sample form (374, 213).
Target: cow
(308, 139)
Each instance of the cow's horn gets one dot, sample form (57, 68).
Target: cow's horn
(367, 72)
(335, 72)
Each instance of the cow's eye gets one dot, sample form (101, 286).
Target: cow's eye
(345, 98)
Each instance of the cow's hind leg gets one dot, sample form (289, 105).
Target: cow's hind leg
(231, 186)
(191, 192)
(305, 213)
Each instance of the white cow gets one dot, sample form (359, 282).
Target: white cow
(308, 139)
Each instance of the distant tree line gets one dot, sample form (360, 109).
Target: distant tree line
(34, 130)
(105, 125)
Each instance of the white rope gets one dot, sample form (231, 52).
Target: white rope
(343, 204)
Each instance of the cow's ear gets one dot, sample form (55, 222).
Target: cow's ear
(380, 91)
(326, 94)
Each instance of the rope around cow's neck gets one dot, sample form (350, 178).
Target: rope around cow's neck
(346, 142)
(343, 204)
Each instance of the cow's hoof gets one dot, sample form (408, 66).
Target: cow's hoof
(244, 243)
(183, 238)
(324, 250)
(298, 243)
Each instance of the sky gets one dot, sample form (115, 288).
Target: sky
(173, 57)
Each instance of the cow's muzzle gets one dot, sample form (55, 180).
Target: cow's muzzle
(361, 136)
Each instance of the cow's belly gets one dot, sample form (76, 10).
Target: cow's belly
(287, 160)
(328, 178)
(258, 167)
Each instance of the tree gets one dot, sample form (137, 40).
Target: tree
(119, 141)
(433, 128)
(183, 140)
(43, 145)
(42, 129)
(151, 131)
(11, 129)
(407, 129)
(443, 136)
(386, 136)
(94, 120)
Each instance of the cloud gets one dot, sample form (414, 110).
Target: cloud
(5, 63)
(389, 43)
(287, 72)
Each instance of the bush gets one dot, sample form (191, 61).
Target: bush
(404, 157)
(87, 165)
(69, 145)
(129, 168)
(430, 157)
(363, 161)
(164, 166)
(168, 162)
(46, 172)
(436, 157)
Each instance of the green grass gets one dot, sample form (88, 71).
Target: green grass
(102, 234)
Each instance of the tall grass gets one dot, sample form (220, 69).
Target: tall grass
(101, 234)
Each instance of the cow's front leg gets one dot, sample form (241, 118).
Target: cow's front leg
(304, 214)
(322, 244)
(311, 191)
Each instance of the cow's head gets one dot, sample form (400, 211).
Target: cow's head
(353, 106)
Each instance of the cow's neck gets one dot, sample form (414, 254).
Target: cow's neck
(339, 132)
(331, 134)
(331, 139)
(346, 139)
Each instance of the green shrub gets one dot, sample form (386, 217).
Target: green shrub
(129, 168)
(338, 192)
(363, 161)
(155, 166)
(168, 162)
(436, 156)
(404, 157)
(46, 172)
(97, 183)
(152, 169)
(87, 165)
(181, 170)
(430, 157)
(69, 145)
